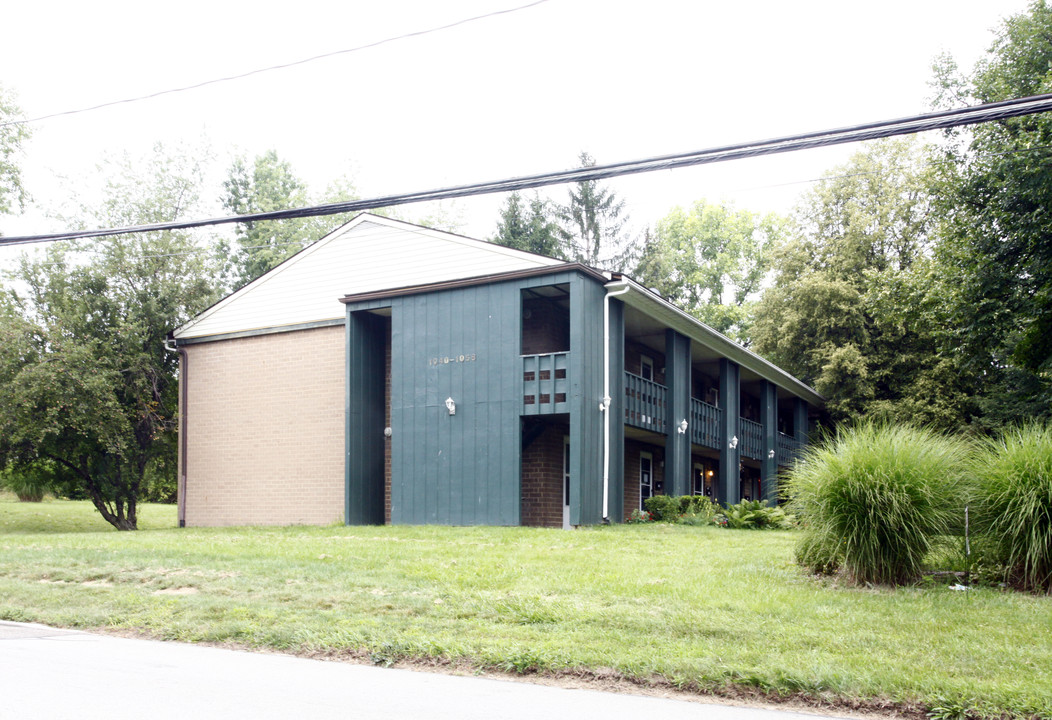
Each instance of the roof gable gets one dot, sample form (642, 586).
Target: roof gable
(368, 254)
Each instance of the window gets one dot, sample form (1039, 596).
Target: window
(646, 368)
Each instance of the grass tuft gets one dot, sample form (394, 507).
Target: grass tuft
(875, 500)
(1013, 505)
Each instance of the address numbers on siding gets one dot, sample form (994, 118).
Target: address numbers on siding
(446, 360)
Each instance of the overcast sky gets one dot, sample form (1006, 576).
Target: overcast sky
(518, 93)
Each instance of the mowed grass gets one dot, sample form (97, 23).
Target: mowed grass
(706, 609)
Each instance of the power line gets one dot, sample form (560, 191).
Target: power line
(791, 143)
(271, 68)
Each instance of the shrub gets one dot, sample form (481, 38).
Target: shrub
(640, 516)
(698, 510)
(29, 484)
(663, 508)
(756, 515)
(1012, 506)
(876, 498)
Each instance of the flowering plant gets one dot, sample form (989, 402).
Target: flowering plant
(640, 516)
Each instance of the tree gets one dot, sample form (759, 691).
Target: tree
(858, 306)
(87, 387)
(12, 137)
(270, 184)
(592, 224)
(996, 196)
(528, 228)
(711, 261)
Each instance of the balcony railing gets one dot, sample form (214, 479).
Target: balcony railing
(705, 424)
(788, 448)
(544, 384)
(751, 439)
(645, 403)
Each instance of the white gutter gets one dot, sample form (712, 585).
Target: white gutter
(612, 290)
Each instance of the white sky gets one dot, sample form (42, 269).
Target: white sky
(515, 94)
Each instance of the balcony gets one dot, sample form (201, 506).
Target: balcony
(751, 439)
(544, 384)
(645, 403)
(705, 424)
(788, 449)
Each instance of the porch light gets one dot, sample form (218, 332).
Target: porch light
(451, 406)
(770, 454)
(733, 443)
(683, 426)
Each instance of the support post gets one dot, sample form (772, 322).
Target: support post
(677, 438)
(729, 485)
(800, 426)
(769, 461)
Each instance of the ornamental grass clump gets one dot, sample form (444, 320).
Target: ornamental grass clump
(1012, 506)
(875, 499)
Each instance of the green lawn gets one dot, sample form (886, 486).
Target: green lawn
(701, 608)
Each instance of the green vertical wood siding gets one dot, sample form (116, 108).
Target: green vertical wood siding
(364, 425)
(729, 485)
(800, 425)
(462, 343)
(677, 444)
(769, 455)
(586, 389)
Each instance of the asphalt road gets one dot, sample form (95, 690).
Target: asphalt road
(47, 674)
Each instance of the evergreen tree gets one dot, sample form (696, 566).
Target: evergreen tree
(528, 228)
(592, 225)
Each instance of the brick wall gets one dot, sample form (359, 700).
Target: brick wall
(542, 478)
(547, 329)
(634, 353)
(265, 439)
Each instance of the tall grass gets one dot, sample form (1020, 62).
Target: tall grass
(875, 499)
(1013, 505)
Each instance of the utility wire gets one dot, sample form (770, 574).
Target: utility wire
(791, 143)
(259, 71)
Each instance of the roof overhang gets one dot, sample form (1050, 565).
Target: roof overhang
(665, 312)
(477, 280)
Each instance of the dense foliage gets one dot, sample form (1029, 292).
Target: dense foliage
(711, 260)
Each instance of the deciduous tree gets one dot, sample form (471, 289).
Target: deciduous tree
(267, 184)
(997, 198)
(12, 138)
(86, 384)
(711, 261)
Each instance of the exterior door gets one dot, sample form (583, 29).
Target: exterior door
(646, 478)
(566, 482)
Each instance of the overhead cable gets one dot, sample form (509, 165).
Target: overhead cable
(791, 143)
(271, 68)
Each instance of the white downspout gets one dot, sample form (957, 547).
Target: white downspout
(612, 290)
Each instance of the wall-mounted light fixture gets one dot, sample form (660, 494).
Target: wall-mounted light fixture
(451, 406)
(770, 454)
(733, 443)
(683, 426)
(388, 432)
